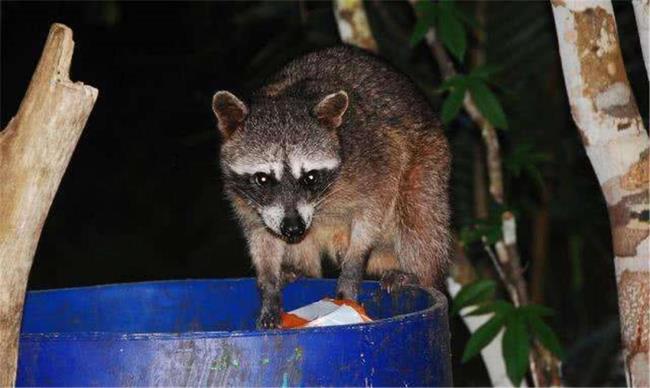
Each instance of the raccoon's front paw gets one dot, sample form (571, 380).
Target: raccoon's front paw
(290, 274)
(395, 279)
(347, 290)
(269, 320)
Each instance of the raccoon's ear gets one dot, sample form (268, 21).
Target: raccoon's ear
(230, 112)
(329, 111)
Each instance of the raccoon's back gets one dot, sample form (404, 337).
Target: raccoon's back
(375, 87)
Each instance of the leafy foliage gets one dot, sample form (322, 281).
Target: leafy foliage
(483, 336)
(426, 11)
(520, 325)
(452, 104)
(545, 172)
(487, 102)
(524, 158)
(448, 21)
(472, 294)
(516, 347)
(450, 29)
(488, 230)
(477, 84)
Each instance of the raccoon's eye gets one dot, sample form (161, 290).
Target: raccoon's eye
(310, 178)
(262, 179)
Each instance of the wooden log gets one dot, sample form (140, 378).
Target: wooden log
(35, 149)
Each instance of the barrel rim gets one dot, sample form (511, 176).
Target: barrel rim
(439, 305)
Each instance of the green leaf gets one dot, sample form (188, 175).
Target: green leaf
(473, 293)
(485, 308)
(419, 32)
(516, 348)
(447, 6)
(536, 310)
(490, 229)
(525, 157)
(457, 81)
(424, 8)
(499, 307)
(482, 337)
(492, 234)
(546, 336)
(487, 103)
(484, 71)
(452, 104)
(451, 30)
(426, 11)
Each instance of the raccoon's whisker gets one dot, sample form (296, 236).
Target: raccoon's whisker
(326, 197)
(328, 194)
(330, 184)
(321, 199)
(249, 199)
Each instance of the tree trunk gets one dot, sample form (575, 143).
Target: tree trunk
(34, 151)
(608, 120)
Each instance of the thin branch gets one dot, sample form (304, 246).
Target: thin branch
(481, 202)
(488, 132)
(545, 369)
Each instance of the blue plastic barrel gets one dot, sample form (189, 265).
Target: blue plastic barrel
(202, 332)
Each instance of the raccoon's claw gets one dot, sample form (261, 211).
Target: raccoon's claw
(347, 290)
(290, 274)
(290, 277)
(394, 280)
(268, 320)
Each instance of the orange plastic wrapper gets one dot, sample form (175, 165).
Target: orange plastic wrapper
(326, 312)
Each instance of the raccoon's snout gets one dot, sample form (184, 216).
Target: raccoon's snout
(292, 228)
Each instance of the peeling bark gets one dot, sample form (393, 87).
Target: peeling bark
(481, 205)
(608, 120)
(353, 25)
(35, 149)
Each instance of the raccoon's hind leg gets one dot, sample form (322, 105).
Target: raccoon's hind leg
(395, 279)
(382, 260)
(422, 240)
(384, 264)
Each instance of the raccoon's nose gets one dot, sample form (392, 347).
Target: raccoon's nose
(292, 227)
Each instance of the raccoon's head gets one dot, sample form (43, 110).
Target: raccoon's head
(280, 156)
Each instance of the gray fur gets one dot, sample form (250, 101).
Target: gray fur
(381, 203)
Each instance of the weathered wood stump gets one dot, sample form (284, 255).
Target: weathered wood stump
(35, 149)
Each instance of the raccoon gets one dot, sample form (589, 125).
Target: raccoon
(337, 154)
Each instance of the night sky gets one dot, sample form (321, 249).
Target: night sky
(141, 198)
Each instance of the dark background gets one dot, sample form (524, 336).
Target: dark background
(142, 198)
